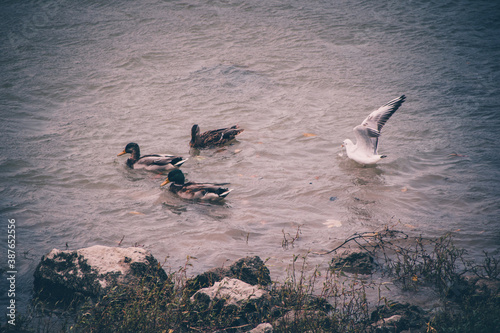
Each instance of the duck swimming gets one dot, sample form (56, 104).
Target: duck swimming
(151, 162)
(191, 190)
(213, 138)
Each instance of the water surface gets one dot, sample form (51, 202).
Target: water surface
(82, 79)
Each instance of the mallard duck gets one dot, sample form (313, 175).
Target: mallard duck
(151, 162)
(191, 190)
(367, 134)
(213, 138)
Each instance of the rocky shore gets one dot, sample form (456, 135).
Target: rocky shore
(118, 289)
(240, 292)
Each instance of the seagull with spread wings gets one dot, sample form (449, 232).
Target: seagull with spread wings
(368, 133)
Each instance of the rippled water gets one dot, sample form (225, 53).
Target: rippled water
(82, 79)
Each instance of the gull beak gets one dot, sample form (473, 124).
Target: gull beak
(165, 182)
(342, 146)
(122, 153)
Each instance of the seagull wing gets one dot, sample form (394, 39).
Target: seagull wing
(378, 118)
(366, 140)
(375, 121)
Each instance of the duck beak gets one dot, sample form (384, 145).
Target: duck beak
(165, 182)
(122, 153)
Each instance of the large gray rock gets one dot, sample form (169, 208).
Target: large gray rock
(251, 270)
(234, 302)
(92, 271)
(234, 294)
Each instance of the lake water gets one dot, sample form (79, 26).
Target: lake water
(81, 79)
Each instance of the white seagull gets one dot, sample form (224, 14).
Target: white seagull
(367, 134)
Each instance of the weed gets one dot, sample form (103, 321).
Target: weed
(307, 300)
(289, 239)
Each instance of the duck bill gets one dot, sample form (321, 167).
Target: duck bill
(165, 182)
(122, 153)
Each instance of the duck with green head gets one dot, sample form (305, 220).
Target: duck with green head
(196, 191)
(151, 162)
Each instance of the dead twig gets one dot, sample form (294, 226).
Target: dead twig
(369, 238)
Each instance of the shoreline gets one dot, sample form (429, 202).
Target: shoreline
(281, 305)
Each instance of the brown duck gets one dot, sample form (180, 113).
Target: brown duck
(213, 138)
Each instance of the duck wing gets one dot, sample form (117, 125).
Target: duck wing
(160, 160)
(220, 136)
(204, 191)
(230, 133)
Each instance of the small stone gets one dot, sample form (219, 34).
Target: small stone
(399, 317)
(262, 328)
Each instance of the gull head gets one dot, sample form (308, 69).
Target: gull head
(347, 143)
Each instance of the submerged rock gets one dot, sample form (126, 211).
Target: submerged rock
(356, 263)
(67, 275)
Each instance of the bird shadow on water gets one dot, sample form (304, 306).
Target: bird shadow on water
(228, 149)
(362, 175)
(176, 209)
(178, 206)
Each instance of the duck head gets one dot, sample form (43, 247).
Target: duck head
(131, 148)
(195, 132)
(175, 176)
